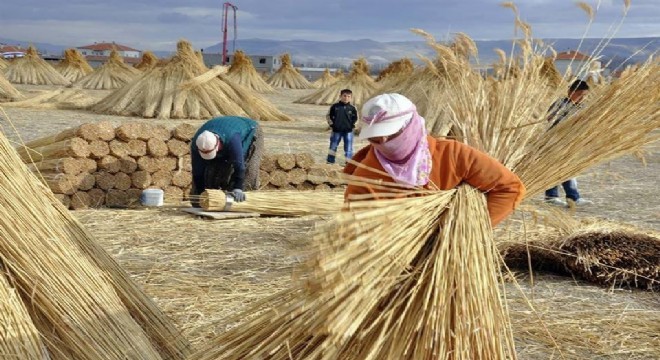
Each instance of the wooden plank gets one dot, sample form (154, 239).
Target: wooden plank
(220, 215)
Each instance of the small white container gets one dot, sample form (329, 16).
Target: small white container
(152, 197)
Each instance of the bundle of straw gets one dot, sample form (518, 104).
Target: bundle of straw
(436, 296)
(325, 80)
(20, 338)
(358, 80)
(402, 67)
(33, 70)
(243, 72)
(80, 301)
(279, 203)
(287, 77)
(180, 89)
(112, 75)
(74, 66)
(428, 87)
(64, 99)
(148, 61)
(7, 91)
(3, 63)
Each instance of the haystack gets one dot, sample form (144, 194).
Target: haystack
(147, 61)
(33, 70)
(63, 99)
(182, 89)
(325, 80)
(242, 72)
(399, 68)
(111, 75)
(287, 77)
(358, 80)
(7, 91)
(339, 74)
(80, 301)
(74, 66)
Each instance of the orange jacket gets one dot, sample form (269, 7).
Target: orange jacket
(453, 164)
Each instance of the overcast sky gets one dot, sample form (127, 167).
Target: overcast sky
(158, 24)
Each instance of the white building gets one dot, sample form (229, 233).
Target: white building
(98, 53)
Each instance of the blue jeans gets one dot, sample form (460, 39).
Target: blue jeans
(335, 138)
(570, 188)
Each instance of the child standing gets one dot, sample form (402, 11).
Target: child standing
(342, 118)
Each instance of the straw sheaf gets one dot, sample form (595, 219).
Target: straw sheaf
(403, 67)
(33, 70)
(325, 80)
(287, 77)
(358, 80)
(147, 61)
(125, 322)
(181, 90)
(7, 91)
(351, 304)
(112, 75)
(242, 72)
(74, 66)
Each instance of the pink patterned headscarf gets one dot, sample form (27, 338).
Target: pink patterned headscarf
(406, 158)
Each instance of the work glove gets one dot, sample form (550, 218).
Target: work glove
(238, 195)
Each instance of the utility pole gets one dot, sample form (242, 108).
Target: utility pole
(225, 14)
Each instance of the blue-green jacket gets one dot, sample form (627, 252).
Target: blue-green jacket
(236, 134)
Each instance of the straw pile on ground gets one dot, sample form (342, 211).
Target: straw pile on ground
(297, 171)
(418, 304)
(112, 75)
(242, 72)
(395, 73)
(325, 80)
(63, 99)
(183, 89)
(606, 253)
(287, 77)
(33, 70)
(97, 164)
(74, 66)
(7, 91)
(148, 61)
(358, 80)
(82, 304)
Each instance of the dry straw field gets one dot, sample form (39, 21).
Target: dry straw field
(200, 272)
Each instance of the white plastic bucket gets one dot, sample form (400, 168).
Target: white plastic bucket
(152, 197)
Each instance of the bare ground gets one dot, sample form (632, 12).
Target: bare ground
(200, 271)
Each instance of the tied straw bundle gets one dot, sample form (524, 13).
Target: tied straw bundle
(435, 295)
(7, 91)
(278, 203)
(82, 303)
(112, 75)
(287, 76)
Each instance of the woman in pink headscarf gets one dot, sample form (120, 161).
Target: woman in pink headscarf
(400, 147)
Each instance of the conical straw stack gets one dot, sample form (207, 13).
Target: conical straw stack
(74, 66)
(148, 61)
(33, 70)
(7, 91)
(112, 75)
(242, 72)
(287, 77)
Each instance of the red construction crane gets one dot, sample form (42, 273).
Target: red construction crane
(225, 14)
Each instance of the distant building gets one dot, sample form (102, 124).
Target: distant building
(98, 53)
(312, 73)
(572, 62)
(11, 51)
(262, 63)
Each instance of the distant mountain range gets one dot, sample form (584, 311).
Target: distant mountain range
(342, 53)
